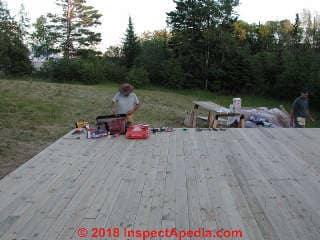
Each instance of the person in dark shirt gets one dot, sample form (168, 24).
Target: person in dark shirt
(300, 110)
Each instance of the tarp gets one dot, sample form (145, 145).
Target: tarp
(264, 117)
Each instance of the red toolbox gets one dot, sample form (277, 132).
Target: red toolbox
(115, 124)
(138, 132)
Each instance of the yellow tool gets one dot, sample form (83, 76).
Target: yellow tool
(81, 124)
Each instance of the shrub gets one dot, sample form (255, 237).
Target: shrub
(88, 70)
(175, 76)
(138, 77)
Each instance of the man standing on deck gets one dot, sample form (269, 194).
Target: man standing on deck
(300, 110)
(125, 102)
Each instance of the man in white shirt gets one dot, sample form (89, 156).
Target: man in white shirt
(125, 102)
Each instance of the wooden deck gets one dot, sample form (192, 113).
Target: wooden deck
(265, 182)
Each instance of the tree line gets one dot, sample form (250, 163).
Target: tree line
(206, 47)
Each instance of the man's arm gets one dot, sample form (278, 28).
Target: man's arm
(136, 107)
(310, 116)
(114, 100)
(113, 108)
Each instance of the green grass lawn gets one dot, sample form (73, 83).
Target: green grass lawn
(34, 114)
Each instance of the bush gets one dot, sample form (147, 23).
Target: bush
(153, 56)
(114, 71)
(89, 70)
(138, 77)
(175, 76)
(14, 56)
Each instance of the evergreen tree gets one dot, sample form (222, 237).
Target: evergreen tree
(42, 39)
(199, 29)
(297, 32)
(14, 55)
(24, 23)
(130, 45)
(308, 26)
(75, 26)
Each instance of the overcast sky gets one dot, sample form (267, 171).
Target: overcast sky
(149, 15)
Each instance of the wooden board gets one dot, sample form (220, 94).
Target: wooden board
(211, 106)
(264, 182)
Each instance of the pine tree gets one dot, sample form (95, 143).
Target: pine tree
(297, 32)
(130, 45)
(307, 25)
(75, 26)
(199, 28)
(42, 39)
(24, 23)
(14, 55)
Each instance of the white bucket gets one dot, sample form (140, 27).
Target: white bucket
(237, 104)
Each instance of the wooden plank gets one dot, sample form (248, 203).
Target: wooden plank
(239, 204)
(61, 193)
(276, 196)
(303, 148)
(302, 204)
(207, 211)
(214, 175)
(94, 187)
(159, 186)
(257, 191)
(117, 213)
(63, 184)
(168, 211)
(192, 182)
(30, 176)
(211, 106)
(143, 214)
(80, 202)
(181, 195)
(304, 177)
(33, 195)
(131, 208)
(229, 203)
(102, 207)
(262, 181)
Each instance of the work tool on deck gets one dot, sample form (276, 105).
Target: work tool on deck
(115, 124)
(81, 124)
(162, 129)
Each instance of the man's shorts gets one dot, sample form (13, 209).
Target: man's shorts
(300, 122)
(129, 120)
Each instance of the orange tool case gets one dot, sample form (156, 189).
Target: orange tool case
(138, 132)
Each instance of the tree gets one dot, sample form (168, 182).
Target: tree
(24, 23)
(43, 41)
(138, 77)
(198, 29)
(113, 52)
(75, 26)
(14, 55)
(241, 31)
(297, 32)
(307, 24)
(130, 45)
(285, 33)
(153, 56)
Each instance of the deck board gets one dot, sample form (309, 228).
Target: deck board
(265, 182)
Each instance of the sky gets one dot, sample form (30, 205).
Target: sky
(150, 15)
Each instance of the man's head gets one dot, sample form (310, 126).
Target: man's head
(305, 93)
(126, 89)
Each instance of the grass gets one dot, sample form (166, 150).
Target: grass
(33, 114)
